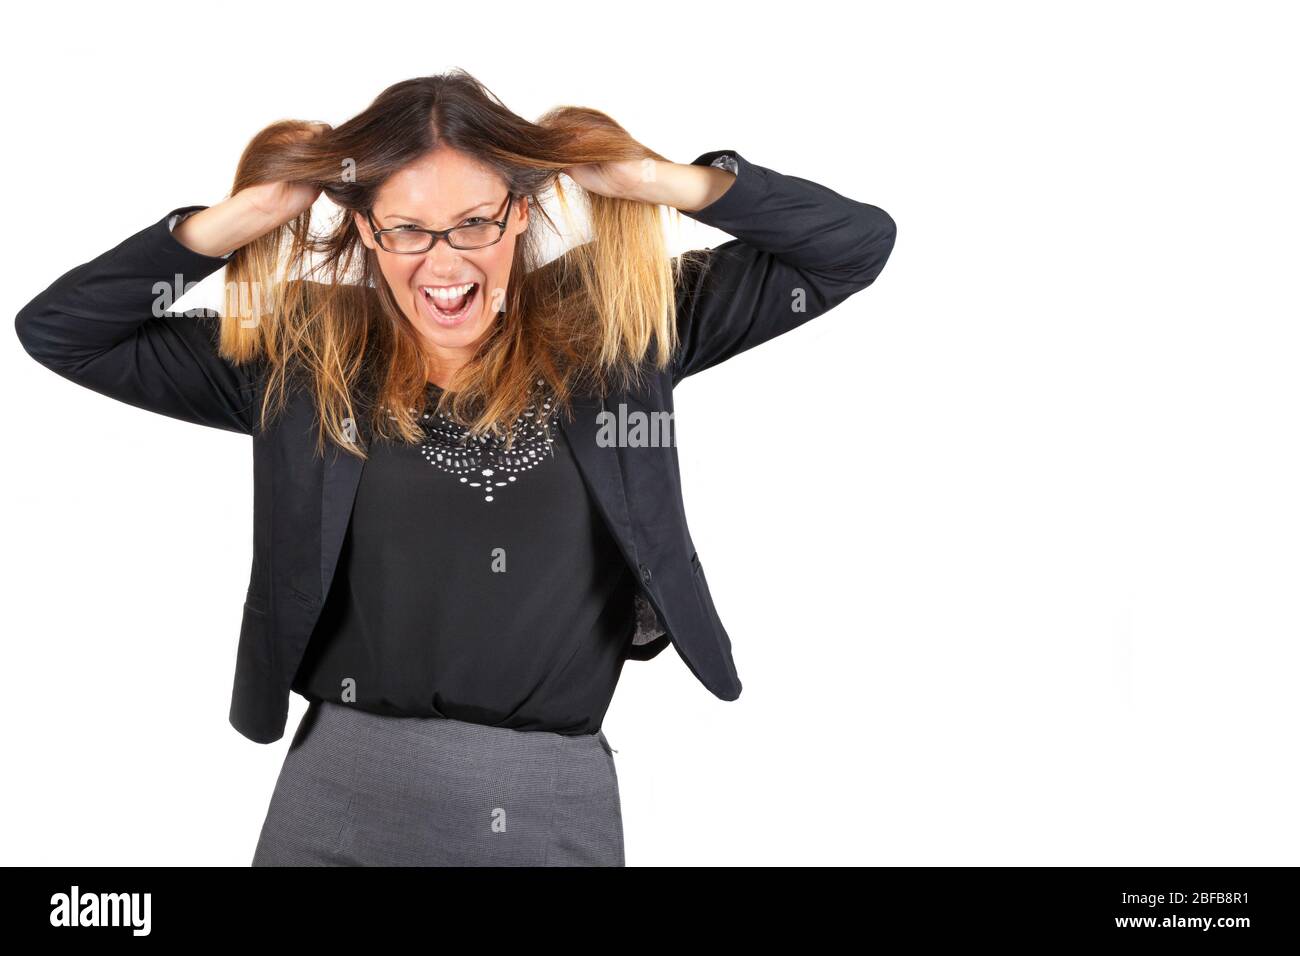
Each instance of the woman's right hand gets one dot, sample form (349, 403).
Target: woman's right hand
(247, 215)
(278, 203)
(281, 202)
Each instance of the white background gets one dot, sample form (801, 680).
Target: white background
(1007, 544)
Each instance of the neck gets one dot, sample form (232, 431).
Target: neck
(440, 370)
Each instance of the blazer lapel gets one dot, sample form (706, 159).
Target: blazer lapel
(601, 468)
(338, 491)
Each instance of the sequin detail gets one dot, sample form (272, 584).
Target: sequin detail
(484, 463)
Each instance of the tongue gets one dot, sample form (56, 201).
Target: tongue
(452, 305)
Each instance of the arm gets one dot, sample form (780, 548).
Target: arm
(800, 250)
(100, 325)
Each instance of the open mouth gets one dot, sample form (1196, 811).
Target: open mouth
(448, 306)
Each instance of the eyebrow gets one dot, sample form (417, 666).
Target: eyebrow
(463, 215)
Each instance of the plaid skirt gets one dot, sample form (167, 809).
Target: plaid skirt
(365, 789)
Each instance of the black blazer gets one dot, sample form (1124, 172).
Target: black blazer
(800, 249)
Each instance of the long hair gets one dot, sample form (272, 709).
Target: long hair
(316, 310)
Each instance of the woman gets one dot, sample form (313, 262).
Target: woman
(468, 514)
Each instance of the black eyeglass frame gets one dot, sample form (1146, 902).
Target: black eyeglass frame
(436, 234)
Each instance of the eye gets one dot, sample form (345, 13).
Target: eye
(470, 222)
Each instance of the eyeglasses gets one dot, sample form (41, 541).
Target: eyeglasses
(412, 240)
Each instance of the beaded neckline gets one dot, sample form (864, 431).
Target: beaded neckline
(484, 463)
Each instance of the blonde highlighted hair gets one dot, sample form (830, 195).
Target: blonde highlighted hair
(316, 311)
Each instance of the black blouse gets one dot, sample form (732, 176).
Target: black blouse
(475, 583)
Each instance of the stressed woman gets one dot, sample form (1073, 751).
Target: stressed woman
(454, 551)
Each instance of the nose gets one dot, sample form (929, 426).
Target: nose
(442, 254)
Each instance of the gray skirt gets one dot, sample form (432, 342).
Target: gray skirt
(365, 789)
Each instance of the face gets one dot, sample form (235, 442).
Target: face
(444, 189)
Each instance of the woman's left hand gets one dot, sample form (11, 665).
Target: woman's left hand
(619, 179)
(684, 186)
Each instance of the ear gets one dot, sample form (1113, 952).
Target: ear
(519, 216)
(363, 227)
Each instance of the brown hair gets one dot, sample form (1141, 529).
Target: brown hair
(584, 321)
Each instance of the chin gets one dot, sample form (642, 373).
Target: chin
(464, 337)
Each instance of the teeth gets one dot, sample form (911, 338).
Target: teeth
(447, 293)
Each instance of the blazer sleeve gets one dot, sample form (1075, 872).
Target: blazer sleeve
(101, 325)
(799, 250)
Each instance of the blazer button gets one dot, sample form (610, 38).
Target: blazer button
(645, 573)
